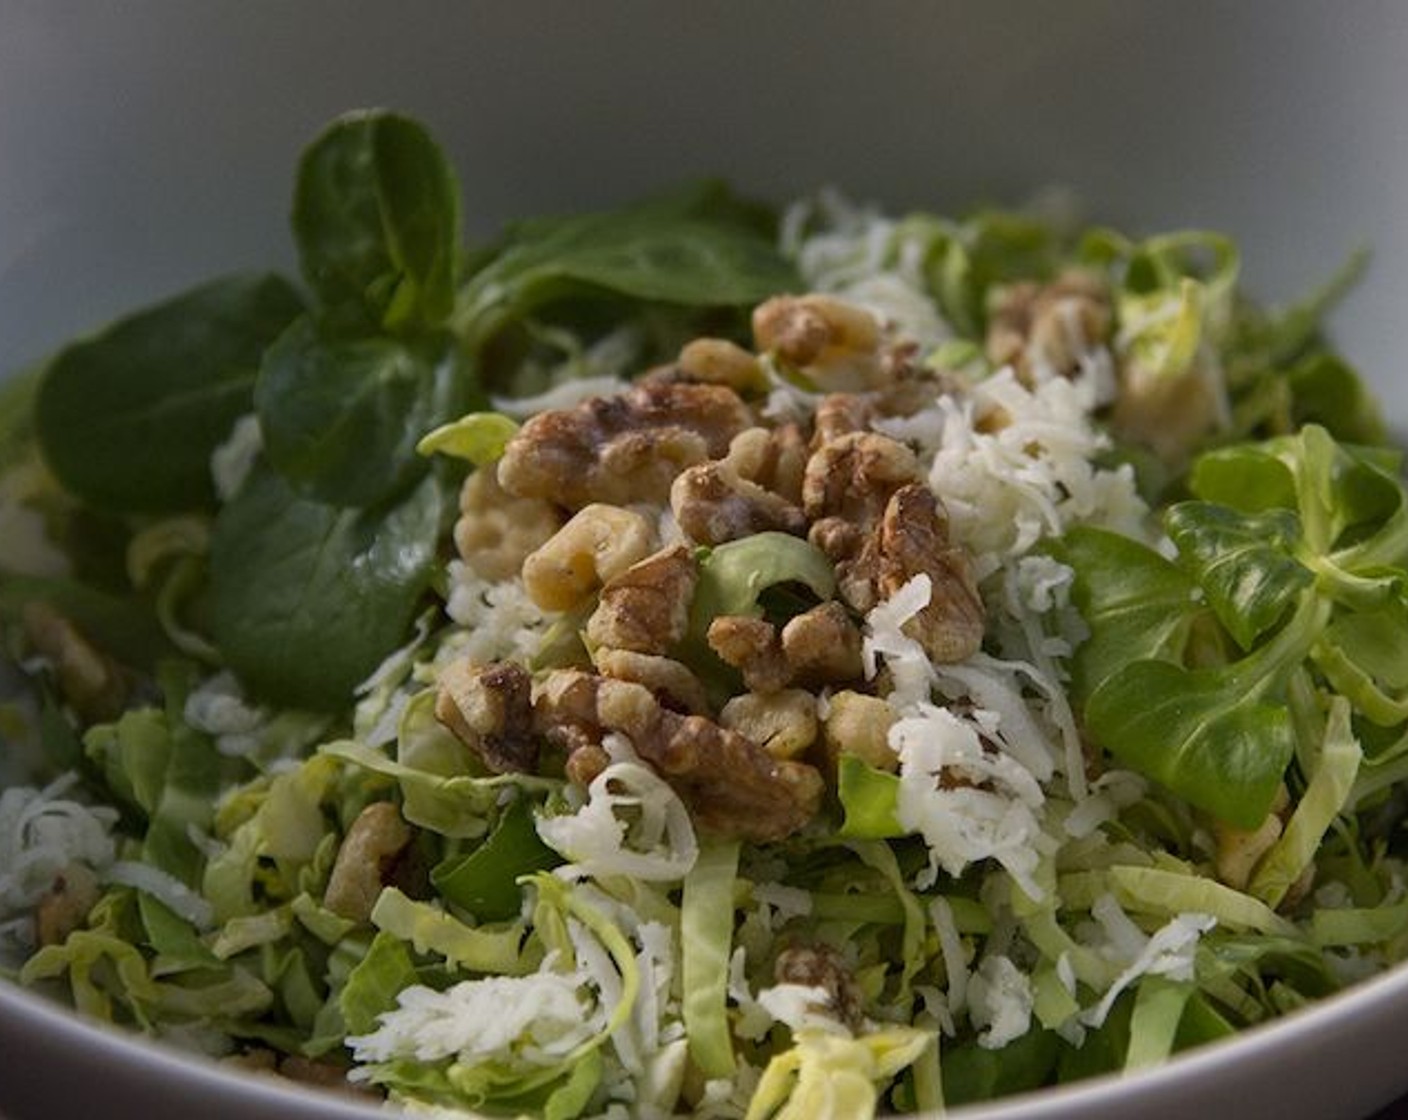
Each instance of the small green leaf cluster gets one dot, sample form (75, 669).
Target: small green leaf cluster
(1212, 671)
(320, 560)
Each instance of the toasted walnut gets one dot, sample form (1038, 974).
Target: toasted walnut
(496, 531)
(712, 504)
(490, 709)
(89, 681)
(753, 647)
(836, 344)
(1045, 329)
(367, 860)
(596, 545)
(1169, 413)
(859, 725)
(912, 539)
(821, 966)
(853, 476)
(774, 458)
(646, 607)
(717, 361)
(731, 786)
(822, 645)
(65, 905)
(673, 683)
(623, 448)
(840, 414)
(783, 723)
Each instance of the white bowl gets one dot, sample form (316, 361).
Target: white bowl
(147, 145)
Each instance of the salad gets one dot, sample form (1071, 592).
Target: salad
(697, 658)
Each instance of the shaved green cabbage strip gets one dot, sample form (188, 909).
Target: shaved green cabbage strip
(1163, 892)
(1322, 801)
(430, 929)
(1366, 925)
(706, 927)
(1153, 1026)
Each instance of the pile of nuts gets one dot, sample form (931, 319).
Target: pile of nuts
(575, 511)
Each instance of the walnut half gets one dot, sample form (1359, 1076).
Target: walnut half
(731, 785)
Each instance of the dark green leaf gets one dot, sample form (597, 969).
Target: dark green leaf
(341, 417)
(376, 214)
(128, 419)
(485, 882)
(1326, 390)
(308, 599)
(973, 1073)
(681, 251)
(1244, 562)
(1199, 732)
(1137, 604)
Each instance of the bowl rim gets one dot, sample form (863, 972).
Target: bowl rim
(1368, 999)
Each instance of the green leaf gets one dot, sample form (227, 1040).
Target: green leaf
(1137, 604)
(128, 419)
(479, 437)
(1325, 390)
(376, 215)
(485, 882)
(307, 599)
(698, 249)
(375, 982)
(1244, 562)
(869, 798)
(341, 417)
(1197, 732)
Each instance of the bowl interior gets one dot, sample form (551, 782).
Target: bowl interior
(148, 145)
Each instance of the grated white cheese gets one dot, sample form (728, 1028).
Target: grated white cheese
(994, 814)
(1000, 1002)
(41, 833)
(632, 824)
(499, 620)
(518, 1020)
(1169, 951)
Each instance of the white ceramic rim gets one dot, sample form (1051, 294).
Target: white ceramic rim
(1358, 1008)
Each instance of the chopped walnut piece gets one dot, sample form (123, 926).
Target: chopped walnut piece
(1045, 329)
(848, 483)
(673, 683)
(774, 458)
(913, 539)
(858, 724)
(731, 786)
(783, 723)
(713, 504)
(822, 966)
(837, 344)
(840, 414)
(593, 548)
(496, 531)
(65, 905)
(822, 645)
(646, 607)
(489, 708)
(753, 647)
(717, 361)
(622, 448)
(367, 860)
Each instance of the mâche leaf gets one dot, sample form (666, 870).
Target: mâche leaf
(284, 570)
(128, 419)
